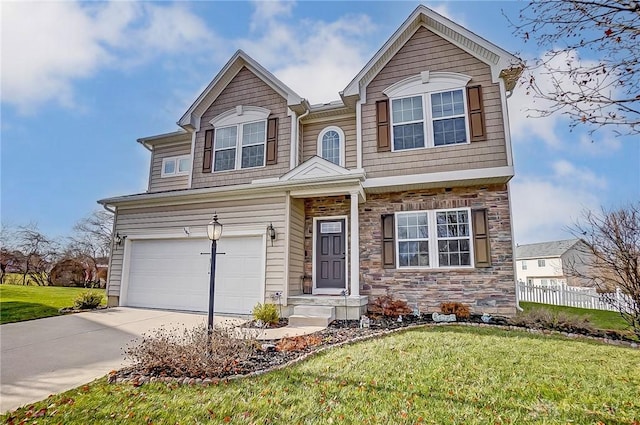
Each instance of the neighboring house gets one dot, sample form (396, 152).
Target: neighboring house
(400, 186)
(551, 263)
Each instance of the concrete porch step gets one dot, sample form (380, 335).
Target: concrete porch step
(312, 315)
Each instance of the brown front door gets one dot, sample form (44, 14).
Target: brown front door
(330, 252)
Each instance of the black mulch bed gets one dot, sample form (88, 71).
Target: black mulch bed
(267, 357)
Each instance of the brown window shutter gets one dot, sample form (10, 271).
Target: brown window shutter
(208, 151)
(481, 238)
(272, 141)
(476, 114)
(388, 242)
(382, 118)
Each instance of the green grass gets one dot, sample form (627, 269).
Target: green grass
(18, 303)
(436, 375)
(601, 319)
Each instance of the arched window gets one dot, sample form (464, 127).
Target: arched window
(331, 145)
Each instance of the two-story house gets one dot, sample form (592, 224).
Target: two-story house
(551, 264)
(400, 186)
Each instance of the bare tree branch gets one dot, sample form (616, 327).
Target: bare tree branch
(604, 92)
(611, 256)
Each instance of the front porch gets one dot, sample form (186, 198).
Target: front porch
(351, 307)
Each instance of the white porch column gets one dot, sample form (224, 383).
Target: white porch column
(354, 280)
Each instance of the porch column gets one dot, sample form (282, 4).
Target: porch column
(354, 280)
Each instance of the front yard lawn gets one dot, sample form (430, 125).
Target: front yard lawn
(601, 319)
(432, 375)
(18, 302)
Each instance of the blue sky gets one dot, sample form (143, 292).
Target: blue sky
(82, 81)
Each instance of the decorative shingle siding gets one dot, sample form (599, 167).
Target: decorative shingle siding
(158, 183)
(485, 290)
(311, 132)
(426, 51)
(245, 89)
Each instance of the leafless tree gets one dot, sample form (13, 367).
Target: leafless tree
(611, 256)
(601, 92)
(91, 241)
(39, 251)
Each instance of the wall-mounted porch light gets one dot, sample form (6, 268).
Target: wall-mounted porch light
(271, 232)
(119, 239)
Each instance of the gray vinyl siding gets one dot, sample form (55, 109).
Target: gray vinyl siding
(232, 214)
(296, 246)
(427, 51)
(157, 183)
(247, 90)
(310, 141)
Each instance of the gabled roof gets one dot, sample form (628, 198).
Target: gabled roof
(240, 59)
(544, 249)
(503, 64)
(315, 168)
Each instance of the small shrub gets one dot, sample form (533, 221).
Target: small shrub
(388, 306)
(298, 343)
(88, 300)
(267, 313)
(540, 318)
(184, 353)
(460, 310)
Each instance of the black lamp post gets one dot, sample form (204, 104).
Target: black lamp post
(214, 231)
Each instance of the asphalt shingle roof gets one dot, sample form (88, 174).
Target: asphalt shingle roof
(544, 249)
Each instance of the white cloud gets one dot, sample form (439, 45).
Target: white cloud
(328, 54)
(542, 209)
(46, 46)
(525, 107)
(267, 11)
(604, 146)
(564, 170)
(545, 205)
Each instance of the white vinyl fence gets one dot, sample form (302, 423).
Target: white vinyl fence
(574, 296)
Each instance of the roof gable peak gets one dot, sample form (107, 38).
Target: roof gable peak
(191, 118)
(502, 63)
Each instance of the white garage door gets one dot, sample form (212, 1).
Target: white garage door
(174, 274)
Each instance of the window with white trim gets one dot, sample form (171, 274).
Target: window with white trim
(524, 265)
(240, 138)
(454, 238)
(441, 116)
(428, 110)
(434, 239)
(541, 263)
(331, 145)
(176, 166)
(249, 139)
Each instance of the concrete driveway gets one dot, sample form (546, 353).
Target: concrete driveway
(47, 356)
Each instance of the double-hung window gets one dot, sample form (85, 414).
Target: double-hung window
(429, 110)
(408, 123)
(434, 239)
(247, 139)
(454, 238)
(448, 118)
(176, 166)
(240, 138)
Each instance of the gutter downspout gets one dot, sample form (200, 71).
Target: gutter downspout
(299, 129)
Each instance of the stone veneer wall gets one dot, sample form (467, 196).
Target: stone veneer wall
(484, 290)
(322, 207)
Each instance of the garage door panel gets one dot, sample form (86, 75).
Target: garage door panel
(174, 274)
